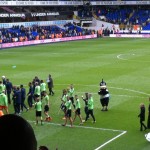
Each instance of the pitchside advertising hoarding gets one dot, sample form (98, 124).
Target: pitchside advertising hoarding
(130, 35)
(16, 44)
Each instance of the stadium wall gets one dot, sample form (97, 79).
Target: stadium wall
(97, 25)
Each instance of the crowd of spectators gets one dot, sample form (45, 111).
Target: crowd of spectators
(125, 15)
(21, 33)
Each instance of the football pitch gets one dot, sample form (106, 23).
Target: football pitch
(125, 66)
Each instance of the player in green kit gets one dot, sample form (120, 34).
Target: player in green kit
(64, 100)
(38, 108)
(4, 102)
(68, 112)
(71, 94)
(90, 108)
(37, 91)
(2, 87)
(77, 109)
(42, 87)
(45, 99)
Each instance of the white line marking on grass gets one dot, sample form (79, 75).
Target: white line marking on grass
(94, 128)
(111, 140)
(85, 127)
(135, 91)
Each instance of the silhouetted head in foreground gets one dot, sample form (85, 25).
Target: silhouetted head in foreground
(16, 133)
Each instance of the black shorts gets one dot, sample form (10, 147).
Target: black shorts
(38, 113)
(46, 108)
(68, 113)
(78, 111)
(63, 107)
(72, 100)
(104, 101)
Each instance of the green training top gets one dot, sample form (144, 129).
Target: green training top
(37, 90)
(90, 104)
(43, 87)
(3, 100)
(68, 104)
(78, 104)
(64, 98)
(71, 92)
(38, 106)
(46, 100)
(2, 88)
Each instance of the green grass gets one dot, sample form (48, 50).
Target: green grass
(123, 63)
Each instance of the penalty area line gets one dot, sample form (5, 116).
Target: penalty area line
(124, 132)
(87, 127)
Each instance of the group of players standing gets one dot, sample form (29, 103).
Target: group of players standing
(69, 99)
(37, 95)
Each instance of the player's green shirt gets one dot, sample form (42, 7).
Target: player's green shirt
(64, 98)
(46, 100)
(77, 104)
(37, 90)
(43, 87)
(2, 88)
(90, 104)
(68, 104)
(38, 106)
(3, 100)
(71, 92)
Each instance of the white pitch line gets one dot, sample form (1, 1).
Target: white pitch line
(111, 140)
(135, 91)
(86, 127)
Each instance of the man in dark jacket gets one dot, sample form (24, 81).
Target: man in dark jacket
(142, 117)
(23, 97)
(30, 95)
(50, 85)
(9, 88)
(148, 121)
(18, 100)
